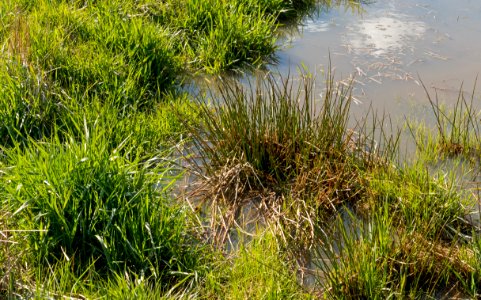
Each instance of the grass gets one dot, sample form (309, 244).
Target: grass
(140, 49)
(275, 145)
(265, 148)
(416, 244)
(375, 259)
(88, 204)
(99, 52)
(29, 106)
(288, 186)
(217, 35)
(413, 237)
(90, 112)
(457, 128)
(257, 270)
(432, 206)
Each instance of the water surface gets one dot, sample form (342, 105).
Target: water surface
(390, 47)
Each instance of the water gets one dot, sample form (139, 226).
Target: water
(390, 47)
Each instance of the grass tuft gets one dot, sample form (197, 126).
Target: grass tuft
(257, 270)
(277, 148)
(29, 105)
(85, 203)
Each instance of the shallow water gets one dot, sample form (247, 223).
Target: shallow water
(389, 47)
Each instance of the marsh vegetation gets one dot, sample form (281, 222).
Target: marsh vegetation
(288, 195)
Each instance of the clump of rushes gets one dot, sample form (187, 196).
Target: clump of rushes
(83, 202)
(276, 145)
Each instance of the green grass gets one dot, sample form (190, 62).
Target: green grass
(100, 52)
(432, 206)
(272, 128)
(218, 35)
(89, 204)
(91, 113)
(412, 252)
(265, 147)
(137, 50)
(257, 270)
(29, 105)
(457, 131)
(92, 118)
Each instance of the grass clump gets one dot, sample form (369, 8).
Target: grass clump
(278, 148)
(87, 204)
(411, 238)
(272, 129)
(139, 49)
(143, 135)
(219, 35)
(422, 202)
(100, 52)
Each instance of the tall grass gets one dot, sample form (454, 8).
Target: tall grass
(89, 114)
(99, 52)
(414, 240)
(423, 203)
(377, 259)
(219, 36)
(277, 147)
(139, 49)
(86, 203)
(272, 127)
(29, 105)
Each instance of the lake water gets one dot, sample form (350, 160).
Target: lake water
(389, 46)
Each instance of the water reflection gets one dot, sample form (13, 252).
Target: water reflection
(313, 26)
(388, 45)
(389, 35)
